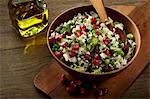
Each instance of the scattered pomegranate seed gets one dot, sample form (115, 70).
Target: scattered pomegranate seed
(98, 33)
(100, 97)
(107, 52)
(58, 54)
(93, 20)
(83, 28)
(64, 79)
(105, 91)
(83, 90)
(96, 62)
(51, 40)
(94, 86)
(75, 46)
(78, 82)
(72, 88)
(106, 41)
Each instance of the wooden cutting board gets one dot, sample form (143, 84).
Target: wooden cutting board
(47, 80)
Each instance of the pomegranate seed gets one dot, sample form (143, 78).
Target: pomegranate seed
(83, 28)
(82, 90)
(78, 82)
(76, 46)
(58, 54)
(72, 53)
(72, 88)
(51, 40)
(105, 91)
(93, 20)
(94, 86)
(100, 92)
(64, 45)
(69, 33)
(107, 52)
(98, 33)
(97, 57)
(58, 38)
(78, 34)
(126, 49)
(100, 97)
(106, 41)
(64, 79)
(96, 62)
(87, 56)
(96, 26)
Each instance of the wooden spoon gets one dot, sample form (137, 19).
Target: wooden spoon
(99, 6)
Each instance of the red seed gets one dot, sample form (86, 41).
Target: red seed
(96, 26)
(94, 86)
(64, 45)
(85, 17)
(78, 82)
(83, 28)
(75, 46)
(51, 40)
(100, 97)
(98, 33)
(93, 20)
(78, 34)
(69, 33)
(105, 91)
(126, 48)
(58, 54)
(72, 53)
(106, 41)
(58, 38)
(72, 88)
(107, 52)
(97, 57)
(82, 90)
(64, 79)
(96, 62)
(87, 56)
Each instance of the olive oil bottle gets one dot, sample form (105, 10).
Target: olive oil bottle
(30, 17)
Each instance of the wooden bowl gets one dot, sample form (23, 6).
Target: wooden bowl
(115, 15)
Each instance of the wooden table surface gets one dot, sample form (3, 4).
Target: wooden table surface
(21, 59)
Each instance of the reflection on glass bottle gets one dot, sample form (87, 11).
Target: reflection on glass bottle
(31, 16)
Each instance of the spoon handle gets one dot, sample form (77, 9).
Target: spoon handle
(99, 6)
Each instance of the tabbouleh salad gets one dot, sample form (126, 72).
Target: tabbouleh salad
(88, 45)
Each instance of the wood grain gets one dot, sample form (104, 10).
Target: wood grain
(17, 69)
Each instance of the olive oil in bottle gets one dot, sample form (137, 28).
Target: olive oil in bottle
(31, 16)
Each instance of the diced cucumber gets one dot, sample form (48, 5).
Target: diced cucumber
(97, 71)
(107, 61)
(94, 41)
(62, 30)
(88, 46)
(119, 51)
